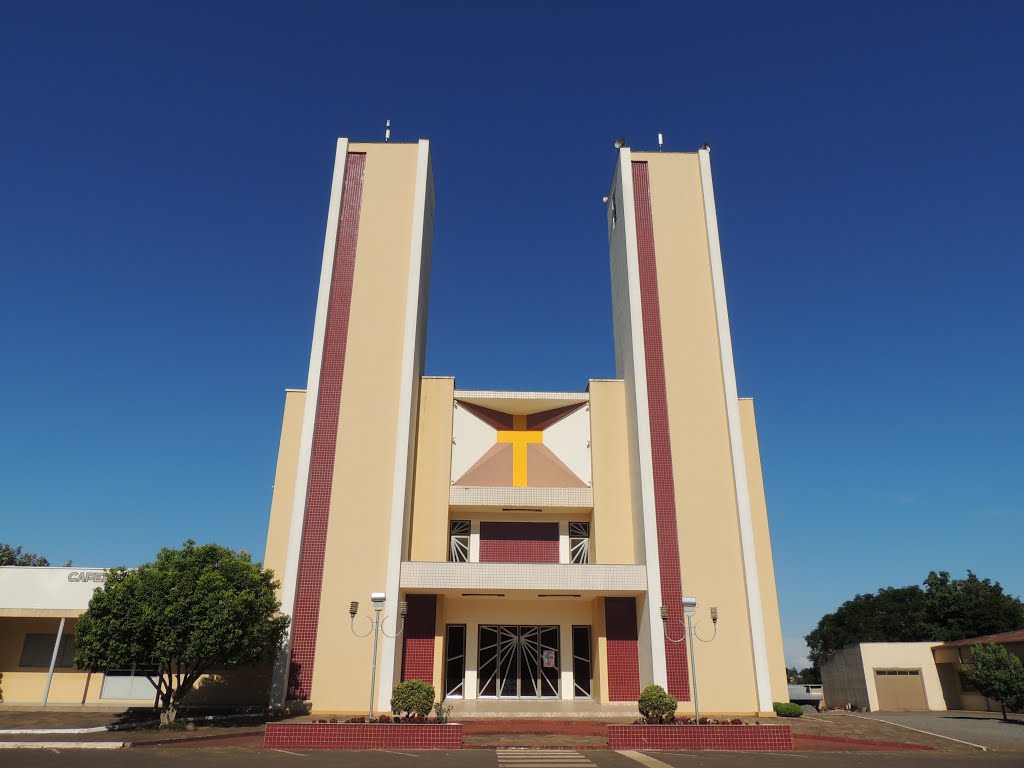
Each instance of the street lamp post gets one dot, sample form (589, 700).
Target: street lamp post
(689, 630)
(378, 601)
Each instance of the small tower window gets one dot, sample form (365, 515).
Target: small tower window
(579, 543)
(458, 541)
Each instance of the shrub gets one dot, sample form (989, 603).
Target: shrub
(787, 709)
(442, 712)
(656, 704)
(413, 697)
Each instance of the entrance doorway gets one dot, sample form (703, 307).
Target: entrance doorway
(519, 662)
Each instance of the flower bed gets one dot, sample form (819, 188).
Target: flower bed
(362, 736)
(759, 738)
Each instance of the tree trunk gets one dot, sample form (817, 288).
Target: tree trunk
(168, 708)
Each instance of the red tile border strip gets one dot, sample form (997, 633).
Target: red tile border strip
(755, 738)
(661, 444)
(418, 638)
(518, 542)
(306, 612)
(623, 649)
(362, 736)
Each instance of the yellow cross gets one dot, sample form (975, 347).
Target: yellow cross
(520, 437)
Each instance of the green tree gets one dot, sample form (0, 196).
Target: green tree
(191, 610)
(946, 609)
(891, 614)
(997, 674)
(16, 556)
(971, 607)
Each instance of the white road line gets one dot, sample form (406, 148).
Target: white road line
(918, 730)
(407, 754)
(297, 754)
(541, 758)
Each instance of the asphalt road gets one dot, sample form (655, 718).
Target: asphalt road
(985, 728)
(471, 758)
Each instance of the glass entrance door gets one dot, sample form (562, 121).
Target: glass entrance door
(454, 660)
(518, 661)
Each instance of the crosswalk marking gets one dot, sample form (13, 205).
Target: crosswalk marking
(542, 758)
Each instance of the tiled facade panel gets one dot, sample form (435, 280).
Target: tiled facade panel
(760, 738)
(306, 614)
(514, 542)
(361, 736)
(489, 416)
(623, 650)
(661, 446)
(418, 638)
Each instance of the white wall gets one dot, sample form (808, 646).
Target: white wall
(51, 589)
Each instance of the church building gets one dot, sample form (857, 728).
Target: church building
(526, 545)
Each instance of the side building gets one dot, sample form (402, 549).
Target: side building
(536, 538)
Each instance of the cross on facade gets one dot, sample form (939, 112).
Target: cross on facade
(519, 436)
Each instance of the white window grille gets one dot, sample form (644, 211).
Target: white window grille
(579, 543)
(458, 541)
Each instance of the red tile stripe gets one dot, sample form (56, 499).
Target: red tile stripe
(306, 613)
(661, 444)
(418, 638)
(361, 736)
(760, 738)
(623, 650)
(515, 542)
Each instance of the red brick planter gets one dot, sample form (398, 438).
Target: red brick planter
(757, 738)
(362, 736)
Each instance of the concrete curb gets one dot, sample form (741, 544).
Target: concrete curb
(61, 744)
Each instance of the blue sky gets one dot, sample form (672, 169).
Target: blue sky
(164, 175)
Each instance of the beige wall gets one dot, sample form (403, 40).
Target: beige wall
(356, 553)
(765, 561)
(429, 539)
(25, 685)
(708, 526)
(612, 531)
(284, 483)
(902, 656)
(849, 676)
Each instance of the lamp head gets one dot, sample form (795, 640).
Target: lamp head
(714, 615)
(689, 605)
(664, 613)
(353, 609)
(378, 599)
(403, 608)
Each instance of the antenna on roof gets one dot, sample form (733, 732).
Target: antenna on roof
(661, 142)
(387, 131)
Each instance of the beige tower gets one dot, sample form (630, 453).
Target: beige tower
(535, 536)
(344, 483)
(697, 495)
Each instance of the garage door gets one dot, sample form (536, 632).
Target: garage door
(900, 689)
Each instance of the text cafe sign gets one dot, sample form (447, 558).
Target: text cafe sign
(80, 576)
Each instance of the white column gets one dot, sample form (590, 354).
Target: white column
(739, 463)
(290, 577)
(474, 541)
(472, 652)
(53, 660)
(565, 660)
(563, 541)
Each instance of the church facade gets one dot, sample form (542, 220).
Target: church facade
(540, 544)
